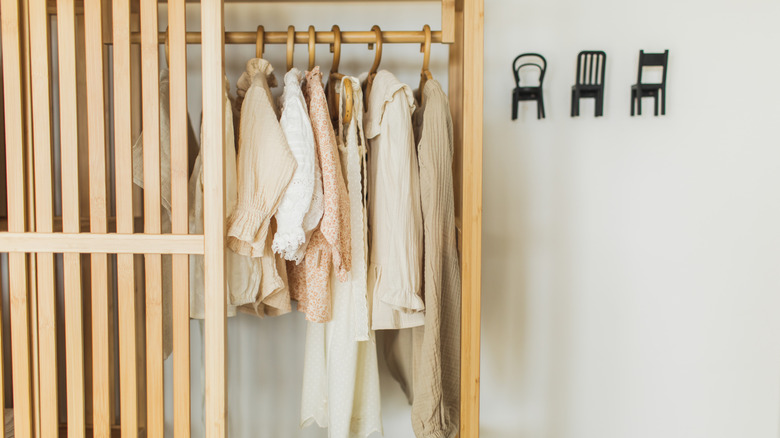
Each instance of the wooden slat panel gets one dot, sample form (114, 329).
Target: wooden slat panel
(71, 222)
(213, 53)
(179, 216)
(47, 306)
(102, 396)
(17, 263)
(471, 259)
(153, 262)
(128, 340)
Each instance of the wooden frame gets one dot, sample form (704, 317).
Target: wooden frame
(32, 238)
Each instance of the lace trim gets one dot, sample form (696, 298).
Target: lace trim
(357, 217)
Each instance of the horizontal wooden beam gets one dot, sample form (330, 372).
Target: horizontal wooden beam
(111, 243)
(323, 37)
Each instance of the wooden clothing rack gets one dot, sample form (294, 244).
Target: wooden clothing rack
(105, 236)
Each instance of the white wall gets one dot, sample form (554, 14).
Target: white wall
(632, 263)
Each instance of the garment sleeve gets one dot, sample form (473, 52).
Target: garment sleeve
(265, 167)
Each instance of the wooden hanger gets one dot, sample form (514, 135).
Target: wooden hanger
(377, 59)
(334, 78)
(425, 48)
(290, 46)
(312, 48)
(260, 42)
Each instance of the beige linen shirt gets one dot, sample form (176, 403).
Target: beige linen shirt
(395, 216)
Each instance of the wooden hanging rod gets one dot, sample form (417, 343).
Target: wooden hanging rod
(325, 37)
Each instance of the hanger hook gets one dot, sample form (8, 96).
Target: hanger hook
(335, 48)
(167, 48)
(425, 48)
(312, 48)
(260, 42)
(378, 53)
(290, 46)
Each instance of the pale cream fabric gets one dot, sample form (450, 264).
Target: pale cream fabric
(265, 163)
(341, 377)
(395, 216)
(244, 274)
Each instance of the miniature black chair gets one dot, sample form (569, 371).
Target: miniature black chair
(529, 92)
(591, 66)
(640, 89)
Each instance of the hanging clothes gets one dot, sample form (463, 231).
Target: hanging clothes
(395, 270)
(300, 210)
(243, 274)
(266, 164)
(434, 349)
(341, 377)
(330, 243)
(165, 194)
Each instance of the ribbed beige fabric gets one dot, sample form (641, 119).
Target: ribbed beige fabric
(265, 162)
(433, 350)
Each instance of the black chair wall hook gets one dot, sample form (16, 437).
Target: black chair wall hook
(591, 68)
(656, 90)
(529, 92)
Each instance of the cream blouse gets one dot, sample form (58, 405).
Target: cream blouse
(395, 215)
(265, 162)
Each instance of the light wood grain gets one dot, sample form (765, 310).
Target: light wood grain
(69, 157)
(471, 261)
(101, 243)
(321, 37)
(42, 144)
(29, 193)
(123, 171)
(213, 53)
(179, 216)
(102, 396)
(17, 263)
(448, 21)
(155, 407)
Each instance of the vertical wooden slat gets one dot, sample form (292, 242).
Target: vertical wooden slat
(471, 259)
(213, 52)
(17, 263)
(128, 381)
(179, 216)
(32, 264)
(152, 225)
(448, 21)
(71, 221)
(102, 398)
(47, 307)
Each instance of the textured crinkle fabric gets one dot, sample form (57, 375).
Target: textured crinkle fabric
(265, 163)
(395, 215)
(243, 274)
(341, 376)
(330, 243)
(297, 216)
